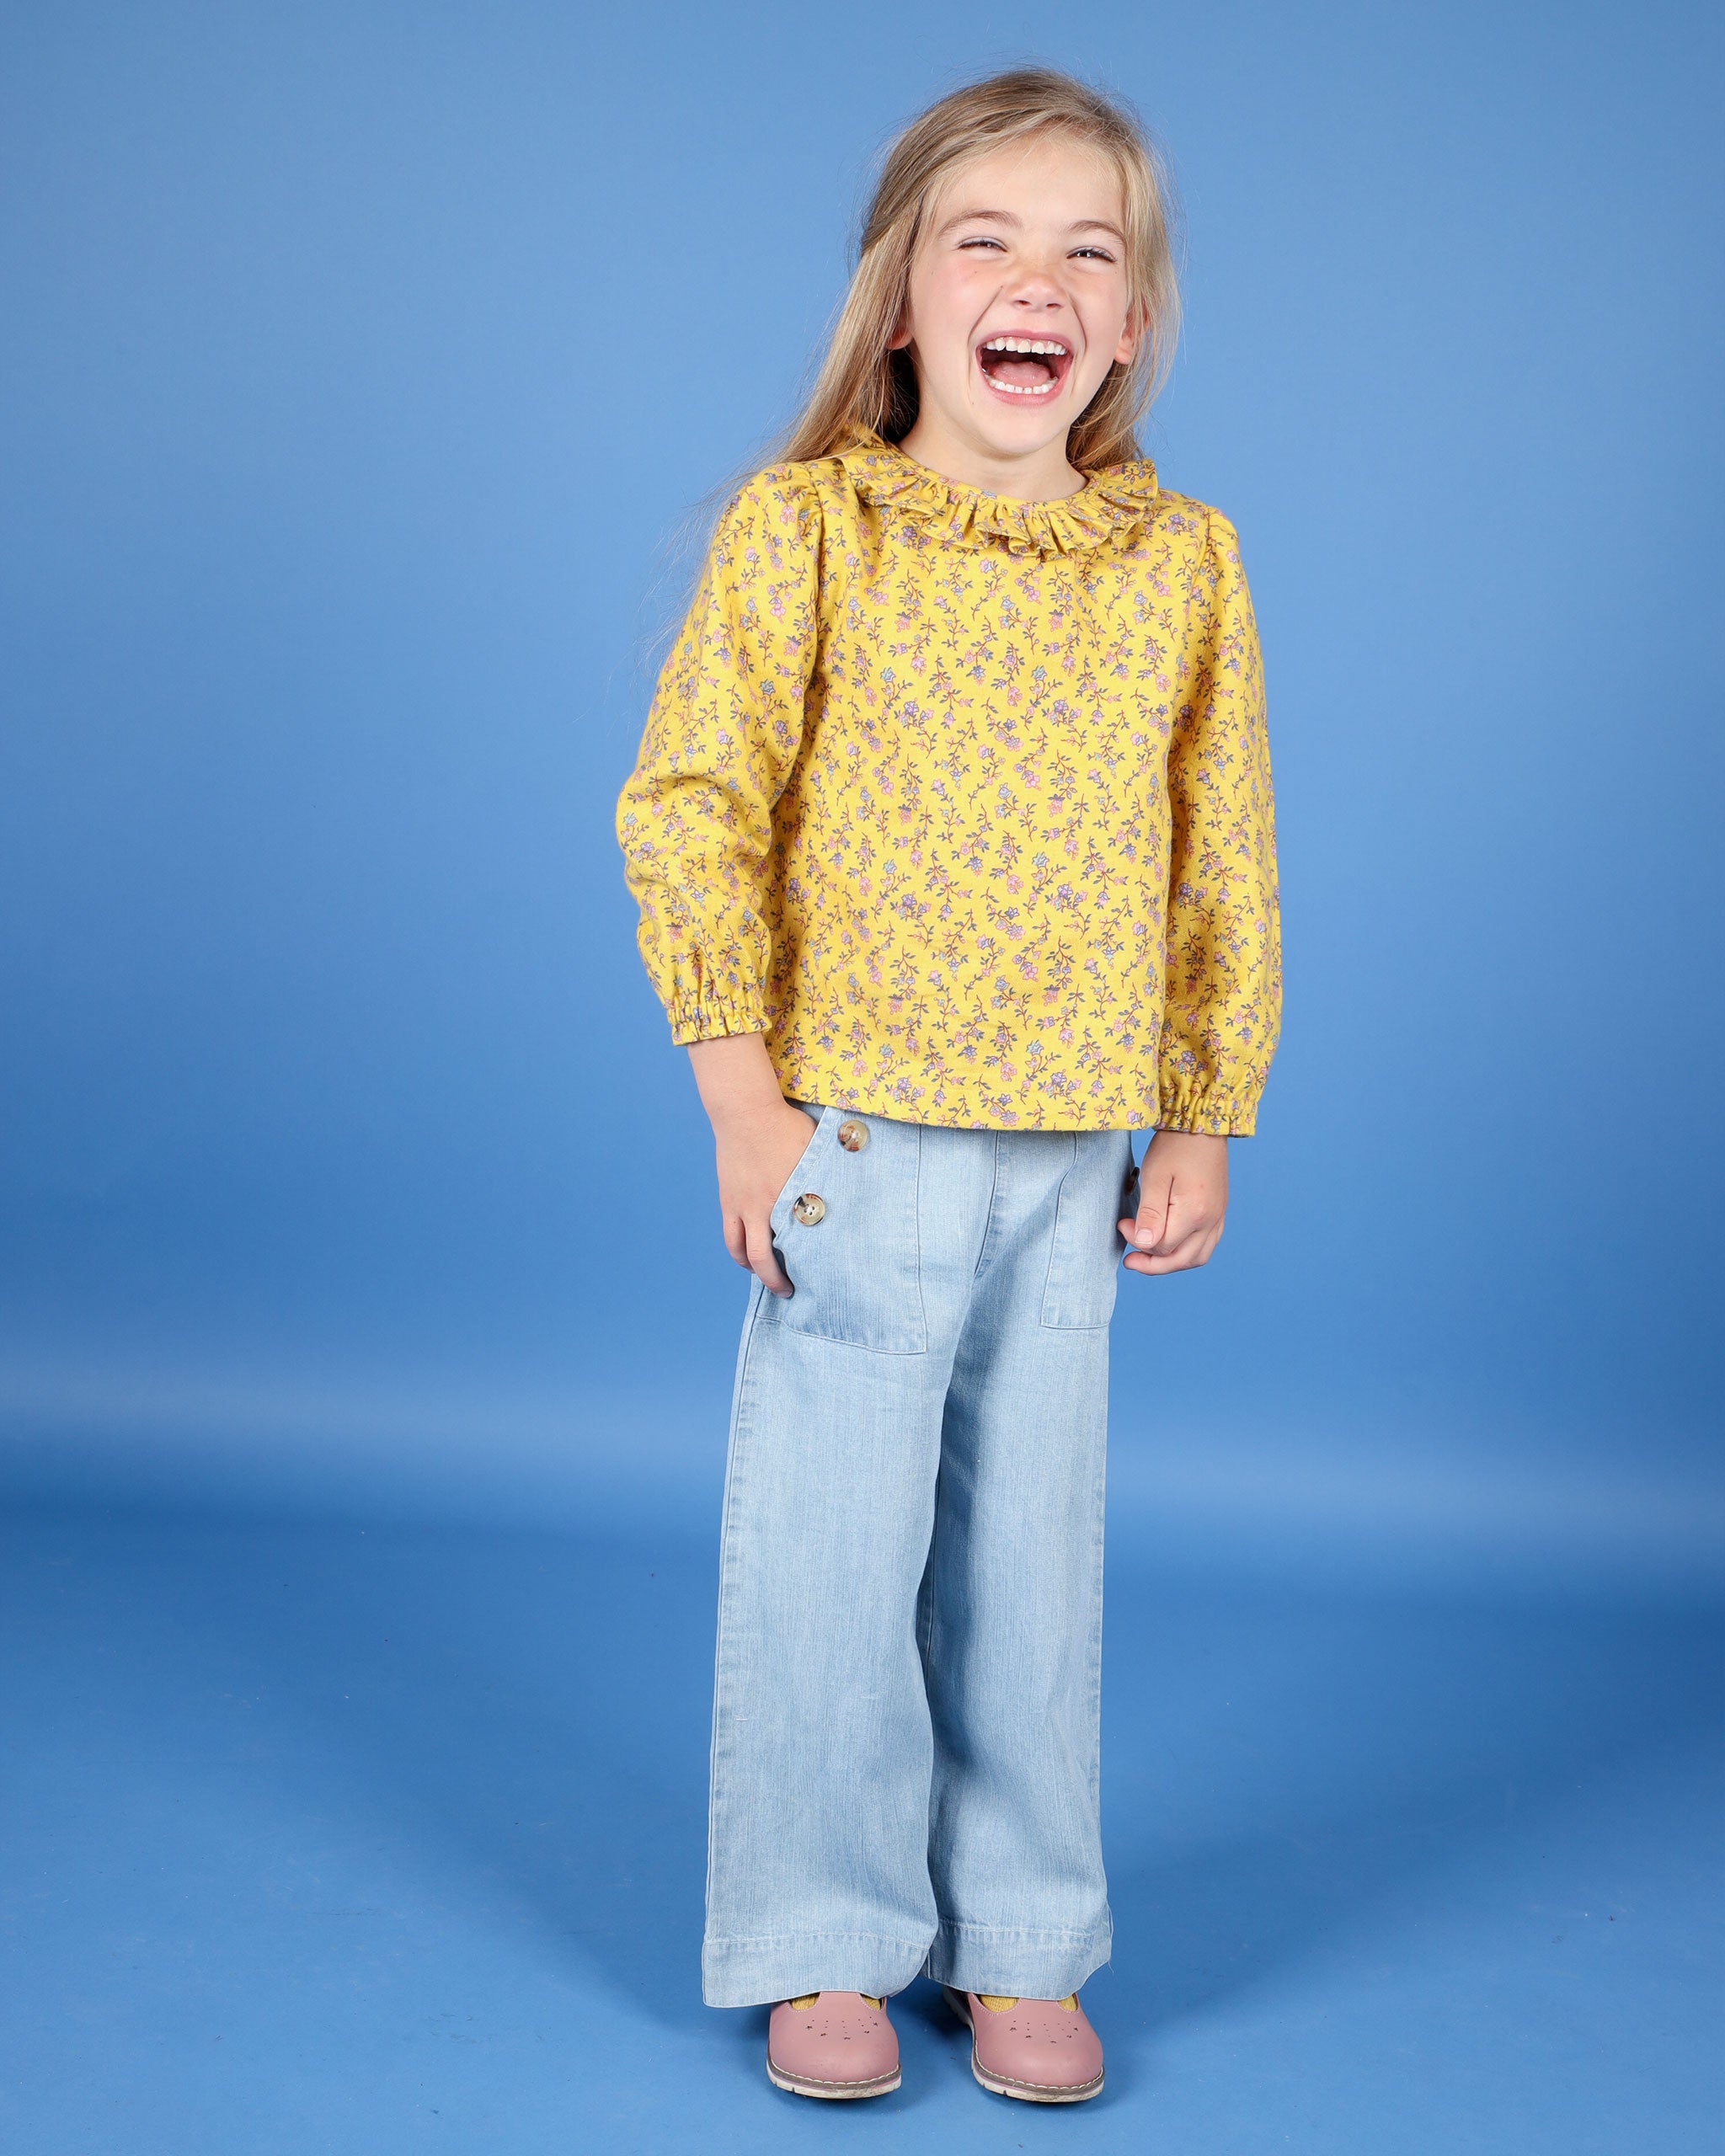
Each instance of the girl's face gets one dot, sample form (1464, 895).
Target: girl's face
(1017, 303)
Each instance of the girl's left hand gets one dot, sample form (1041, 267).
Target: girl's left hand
(1183, 1200)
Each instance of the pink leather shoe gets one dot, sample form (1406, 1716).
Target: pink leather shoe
(1041, 2049)
(832, 2043)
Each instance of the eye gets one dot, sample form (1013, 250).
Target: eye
(1101, 254)
(982, 239)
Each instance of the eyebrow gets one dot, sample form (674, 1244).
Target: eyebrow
(1006, 218)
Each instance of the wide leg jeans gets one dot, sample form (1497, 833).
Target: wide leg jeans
(905, 1753)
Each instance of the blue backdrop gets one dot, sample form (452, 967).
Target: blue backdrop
(366, 1337)
(359, 362)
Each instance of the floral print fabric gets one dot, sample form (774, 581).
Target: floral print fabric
(965, 803)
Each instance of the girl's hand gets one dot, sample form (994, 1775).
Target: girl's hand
(758, 1138)
(1183, 1200)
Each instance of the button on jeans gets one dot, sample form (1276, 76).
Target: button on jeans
(905, 1769)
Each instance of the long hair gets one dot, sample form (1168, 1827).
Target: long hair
(862, 381)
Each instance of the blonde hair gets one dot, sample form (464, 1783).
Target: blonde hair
(861, 381)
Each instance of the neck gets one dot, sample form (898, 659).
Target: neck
(1035, 475)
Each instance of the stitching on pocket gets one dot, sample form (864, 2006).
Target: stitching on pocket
(857, 1274)
(788, 1190)
(1090, 1305)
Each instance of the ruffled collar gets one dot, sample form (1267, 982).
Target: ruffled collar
(1110, 501)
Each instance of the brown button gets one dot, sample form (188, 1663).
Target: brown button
(853, 1136)
(810, 1208)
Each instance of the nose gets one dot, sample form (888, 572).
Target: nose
(1035, 289)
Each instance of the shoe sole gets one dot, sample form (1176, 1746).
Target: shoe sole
(1001, 2084)
(797, 2085)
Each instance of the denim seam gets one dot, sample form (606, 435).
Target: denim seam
(822, 1113)
(862, 1347)
(985, 1254)
(1054, 1239)
(1056, 1933)
(916, 1235)
(1098, 1507)
(725, 1941)
(733, 1476)
(1093, 1946)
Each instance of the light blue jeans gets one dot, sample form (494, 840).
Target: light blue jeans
(905, 1770)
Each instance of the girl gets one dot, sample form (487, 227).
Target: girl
(952, 837)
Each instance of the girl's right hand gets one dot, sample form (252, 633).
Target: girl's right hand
(758, 1138)
(755, 1159)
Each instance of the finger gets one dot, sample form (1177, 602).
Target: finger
(763, 1258)
(1181, 1257)
(1152, 1224)
(1180, 1245)
(1190, 1215)
(1166, 1234)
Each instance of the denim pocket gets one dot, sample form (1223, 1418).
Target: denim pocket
(1085, 1252)
(794, 1182)
(855, 1261)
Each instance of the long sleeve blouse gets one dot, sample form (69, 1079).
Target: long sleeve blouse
(964, 802)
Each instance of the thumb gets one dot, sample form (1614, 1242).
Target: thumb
(1152, 1221)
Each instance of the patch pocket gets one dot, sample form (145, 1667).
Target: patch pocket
(1087, 1246)
(795, 1182)
(845, 1227)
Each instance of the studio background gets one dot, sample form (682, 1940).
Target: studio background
(359, 365)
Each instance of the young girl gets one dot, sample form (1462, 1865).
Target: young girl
(952, 836)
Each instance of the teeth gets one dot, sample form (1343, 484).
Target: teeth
(1033, 345)
(1024, 388)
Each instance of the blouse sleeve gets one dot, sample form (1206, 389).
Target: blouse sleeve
(694, 816)
(1223, 993)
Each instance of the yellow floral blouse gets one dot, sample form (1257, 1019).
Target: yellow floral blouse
(964, 802)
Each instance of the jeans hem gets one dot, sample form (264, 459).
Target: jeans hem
(1017, 1961)
(761, 1971)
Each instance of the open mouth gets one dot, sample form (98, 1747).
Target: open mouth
(1024, 366)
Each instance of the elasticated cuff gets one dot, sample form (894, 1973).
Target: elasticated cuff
(1208, 1112)
(714, 1014)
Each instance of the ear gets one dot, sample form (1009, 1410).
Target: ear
(901, 335)
(1137, 320)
